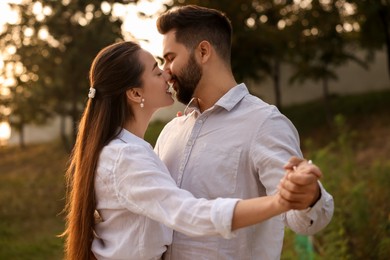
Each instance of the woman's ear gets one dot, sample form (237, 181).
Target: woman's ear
(204, 49)
(134, 95)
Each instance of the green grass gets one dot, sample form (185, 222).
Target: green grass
(31, 197)
(353, 156)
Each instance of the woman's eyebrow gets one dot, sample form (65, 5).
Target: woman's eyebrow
(154, 66)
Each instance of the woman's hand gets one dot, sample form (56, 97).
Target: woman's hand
(299, 188)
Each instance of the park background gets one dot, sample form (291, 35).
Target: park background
(322, 63)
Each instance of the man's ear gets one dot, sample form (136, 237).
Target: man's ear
(134, 95)
(204, 49)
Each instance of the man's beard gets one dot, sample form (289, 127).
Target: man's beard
(188, 80)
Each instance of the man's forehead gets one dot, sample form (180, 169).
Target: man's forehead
(169, 38)
(170, 45)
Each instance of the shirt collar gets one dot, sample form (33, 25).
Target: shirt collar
(192, 106)
(128, 137)
(232, 97)
(227, 101)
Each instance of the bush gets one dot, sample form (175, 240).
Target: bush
(360, 228)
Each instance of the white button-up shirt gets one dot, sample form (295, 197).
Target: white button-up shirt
(237, 148)
(136, 195)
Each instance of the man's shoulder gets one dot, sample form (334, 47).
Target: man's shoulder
(256, 106)
(256, 101)
(171, 126)
(174, 121)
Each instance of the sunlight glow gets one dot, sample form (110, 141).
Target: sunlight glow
(4, 91)
(106, 7)
(5, 131)
(28, 32)
(250, 22)
(263, 18)
(5, 111)
(43, 34)
(304, 4)
(6, 14)
(281, 24)
(37, 8)
(142, 27)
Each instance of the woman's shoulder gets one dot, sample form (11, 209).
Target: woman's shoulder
(117, 148)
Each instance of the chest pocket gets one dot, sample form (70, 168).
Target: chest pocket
(215, 171)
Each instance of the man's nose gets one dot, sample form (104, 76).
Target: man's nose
(167, 75)
(166, 67)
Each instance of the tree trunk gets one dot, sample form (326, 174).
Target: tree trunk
(63, 134)
(22, 142)
(384, 16)
(327, 103)
(276, 80)
(75, 117)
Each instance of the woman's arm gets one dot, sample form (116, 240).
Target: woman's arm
(252, 211)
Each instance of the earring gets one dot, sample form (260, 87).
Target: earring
(142, 103)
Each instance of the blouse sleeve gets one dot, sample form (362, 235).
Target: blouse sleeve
(144, 186)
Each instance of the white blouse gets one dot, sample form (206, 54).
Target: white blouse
(139, 202)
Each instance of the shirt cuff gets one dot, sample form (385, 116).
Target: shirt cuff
(222, 216)
(313, 212)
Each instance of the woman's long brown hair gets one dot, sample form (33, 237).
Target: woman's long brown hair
(115, 69)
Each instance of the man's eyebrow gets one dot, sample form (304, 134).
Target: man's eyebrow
(167, 54)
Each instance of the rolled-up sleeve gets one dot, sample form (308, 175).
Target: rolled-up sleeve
(144, 186)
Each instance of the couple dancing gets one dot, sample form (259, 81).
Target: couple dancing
(231, 161)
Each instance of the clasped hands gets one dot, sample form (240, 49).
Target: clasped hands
(299, 188)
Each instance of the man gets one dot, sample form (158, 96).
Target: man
(229, 143)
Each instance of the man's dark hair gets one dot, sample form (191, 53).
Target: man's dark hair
(194, 24)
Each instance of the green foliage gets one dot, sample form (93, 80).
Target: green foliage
(153, 131)
(374, 19)
(360, 226)
(310, 117)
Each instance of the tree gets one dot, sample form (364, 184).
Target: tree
(323, 47)
(374, 20)
(55, 42)
(21, 63)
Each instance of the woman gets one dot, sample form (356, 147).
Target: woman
(114, 171)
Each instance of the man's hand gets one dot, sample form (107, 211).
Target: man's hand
(299, 187)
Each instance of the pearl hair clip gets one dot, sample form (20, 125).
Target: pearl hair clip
(92, 92)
